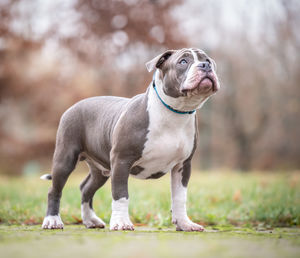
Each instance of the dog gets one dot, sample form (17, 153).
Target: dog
(144, 137)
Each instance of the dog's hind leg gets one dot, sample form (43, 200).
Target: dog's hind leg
(64, 162)
(88, 187)
(67, 150)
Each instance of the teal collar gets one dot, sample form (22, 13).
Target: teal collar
(166, 105)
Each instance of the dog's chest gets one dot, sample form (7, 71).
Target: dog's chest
(169, 142)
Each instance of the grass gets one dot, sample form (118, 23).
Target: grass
(245, 215)
(262, 200)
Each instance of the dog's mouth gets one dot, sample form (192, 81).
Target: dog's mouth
(205, 85)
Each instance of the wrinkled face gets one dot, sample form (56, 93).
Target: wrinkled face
(187, 75)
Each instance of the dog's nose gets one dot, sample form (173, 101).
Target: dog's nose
(204, 66)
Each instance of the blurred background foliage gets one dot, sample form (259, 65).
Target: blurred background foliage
(54, 53)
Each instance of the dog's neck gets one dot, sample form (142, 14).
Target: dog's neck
(169, 107)
(164, 117)
(183, 104)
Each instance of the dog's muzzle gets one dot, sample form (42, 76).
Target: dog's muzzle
(205, 66)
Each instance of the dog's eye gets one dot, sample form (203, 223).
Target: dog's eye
(183, 62)
(207, 60)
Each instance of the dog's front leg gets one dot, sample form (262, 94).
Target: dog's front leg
(119, 181)
(179, 179)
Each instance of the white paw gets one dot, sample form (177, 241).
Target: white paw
(94, 222)
(89, 218)
(119, 223)
(52, 222)
(187, 225)
(119, 217)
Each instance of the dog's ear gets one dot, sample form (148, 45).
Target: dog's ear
(214, 64)
(159, 60)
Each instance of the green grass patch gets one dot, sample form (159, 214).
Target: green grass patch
(253, 200)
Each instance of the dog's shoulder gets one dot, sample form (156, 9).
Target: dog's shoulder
(130, 132)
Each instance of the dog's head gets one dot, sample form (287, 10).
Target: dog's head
(185, 78)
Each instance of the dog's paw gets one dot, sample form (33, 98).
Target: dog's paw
(89, 217)
(53, 222)
(94, 222)
(187, 225)
(120, 224)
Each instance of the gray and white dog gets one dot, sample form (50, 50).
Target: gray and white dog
(145, 137)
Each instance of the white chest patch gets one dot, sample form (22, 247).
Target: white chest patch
(170, 139)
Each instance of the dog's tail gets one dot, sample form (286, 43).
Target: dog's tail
(46, 177)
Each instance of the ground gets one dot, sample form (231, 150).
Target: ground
(253, 214)
(76, 241)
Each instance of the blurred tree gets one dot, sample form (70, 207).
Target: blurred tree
(110, 28)
(246, 106)
(261, 78)
(45, 70)
(254, 117)
(15, 53)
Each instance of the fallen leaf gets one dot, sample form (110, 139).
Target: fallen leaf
(78, 220)
(237, 197)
